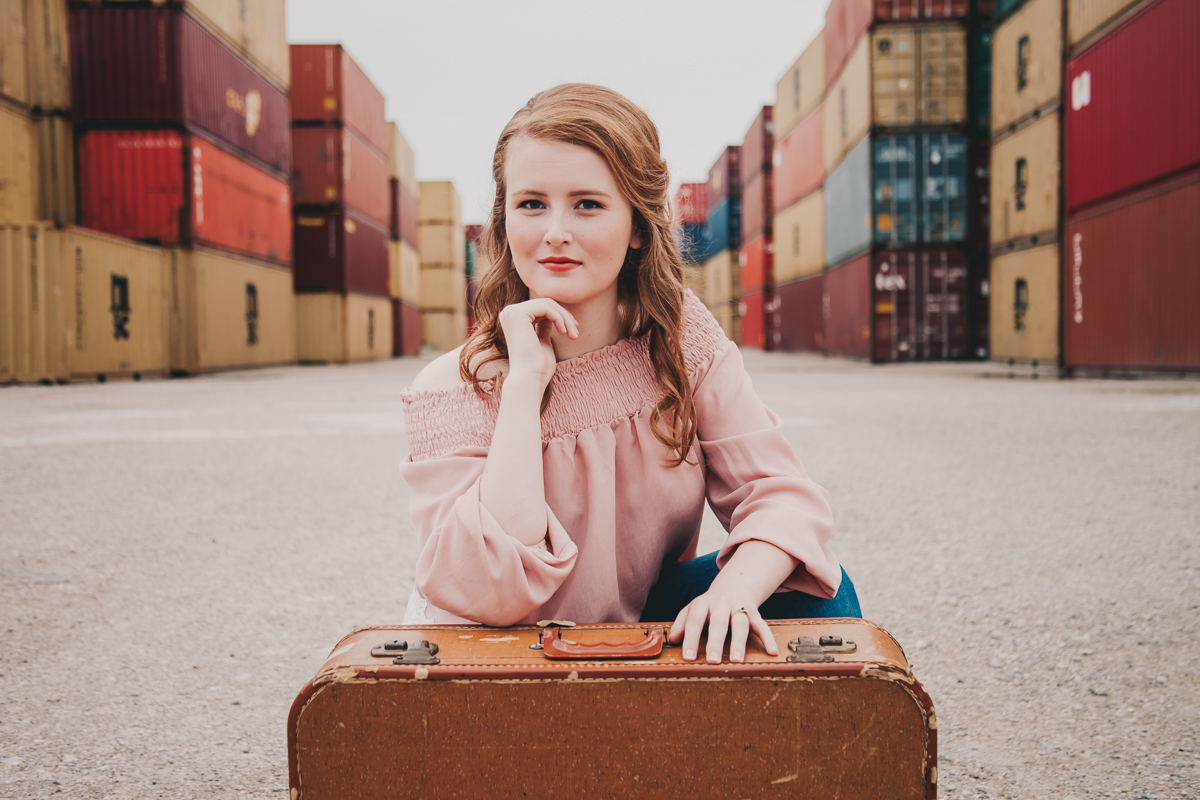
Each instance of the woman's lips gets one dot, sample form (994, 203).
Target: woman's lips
(559, 264)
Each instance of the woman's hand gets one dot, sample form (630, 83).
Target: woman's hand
(527, 332)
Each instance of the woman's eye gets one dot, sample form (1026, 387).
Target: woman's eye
(534, 205)
(589, 205)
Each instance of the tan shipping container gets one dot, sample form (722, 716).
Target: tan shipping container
(1025, 180)
(18, 165)
(444, 330)
(1088, 17)
(894, 75)
(14, 53)
(56, 170)
(339, 328)
(49, 55)
(443, 289)
(848, 106)
(727, 317)
(405, 265)
(721, 284)
(943, 86)
(438, 204)
(442, 245)
(1024, 305)
(228, 312)
(31, 346)
(1026, 63)
(693, 278)
(402, 162)
(800, 89)
(800, 238)
(114, 306)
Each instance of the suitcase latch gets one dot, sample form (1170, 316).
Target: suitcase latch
(401, 652)
(805, 649)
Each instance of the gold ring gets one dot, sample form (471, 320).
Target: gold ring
(741, 610)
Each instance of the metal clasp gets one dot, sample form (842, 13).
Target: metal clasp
(401, 652)
(806, 650)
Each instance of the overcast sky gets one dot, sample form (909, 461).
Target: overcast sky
(455, 71)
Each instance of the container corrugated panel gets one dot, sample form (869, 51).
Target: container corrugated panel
(799, 235)
(896, 181)
(799, 161)
(979, 197)
(693, 242)
(443, 289)
(1025, 182)
(943, 79)
(894, 79)
(848, 206)
(438, 203)
(18, 165)
(49, 55)
(32, 349)
(56, 170)
(1134, 114)
(334, 166)
(756, 262)
(1026, 64)
(757, 146)
(721, 279)
(444, 330)
(339, 328)
(724, 177)
(409, 226)
(404, 266)
(406, 329)
(919, 305)
(801, 88)
(1088, 17)
(1132, 279)
(751, 310)
(799, 322)
(846, 307)
(328, 87)
(14, 52)
(943, 191)
(896, 10)
(691, 204)
(980, 93)
(845, 22)
(441, 245)
(1024, 290)
(402, 162)
(757, 210)
(159, 66)
(848, 107)
(139, 184)
(724, 226)
(341, 251)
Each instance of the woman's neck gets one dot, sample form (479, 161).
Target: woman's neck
(599, 326)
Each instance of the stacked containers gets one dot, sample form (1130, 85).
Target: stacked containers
(475, 270)
(757, 276)
(723, 196)
(404, 262)
(1131, 276)
(182, 140)
(691, 216)
(443, 265)
(340, 147)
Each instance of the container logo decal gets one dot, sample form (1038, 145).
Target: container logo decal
(119, 306)
(1081, 90)
(248, 106)
(1077, 276)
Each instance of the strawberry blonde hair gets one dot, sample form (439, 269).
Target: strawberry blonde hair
(650, 283)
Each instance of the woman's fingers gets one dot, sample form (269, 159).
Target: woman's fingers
(693, 627)
(763, 631)
(739, 629)
(718, 626)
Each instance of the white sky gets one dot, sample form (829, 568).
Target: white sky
(455, 71)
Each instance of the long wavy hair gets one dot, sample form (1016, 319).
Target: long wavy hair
(650, 283)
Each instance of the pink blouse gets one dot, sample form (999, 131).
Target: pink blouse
(615, 512)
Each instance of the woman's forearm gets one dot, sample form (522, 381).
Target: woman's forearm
(512, 488)
(756, 567)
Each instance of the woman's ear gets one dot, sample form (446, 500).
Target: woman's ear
(635, 241)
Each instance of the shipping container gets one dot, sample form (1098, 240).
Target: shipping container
(751, 311)
(757, 264)
(801, 88)
(444, 330)
(721, 279)
(169, 188)
(724, 178)
(799, 324)
(403, 225)
(329, 88)
(439, 204)
(896, 179)
(979, 187)
(441, 245)
(18, 165)
(1088, 20)
(157, 66)
(846, 307)
(443, 289)
(979, 95)
(799, 163)
(31, 351)
(341, 251)
(49, 34)
(693, 279)
(1025, 182)
(1005, 7)
(848, 107)
(1134, 115)
(334, 166)
(799, 236)
(14, 52)
(405, 273)
(691, 204)
(757, 210)
(1026, 64)
(1024, 290)
(943, 189)
(889, 10)
(845, 23)
(724, 226)
(943, 78)
(758, 146)
(406, 329)
(978, 306)
(894, 78)
(848, 206)
(337, 328)
(919, 305)
(693, 242)
(228, 312)
(56, 170)
(1132, 278)
(726, 315)
(402, 162)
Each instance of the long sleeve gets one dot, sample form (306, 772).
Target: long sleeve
(467, 565)
(755, 483)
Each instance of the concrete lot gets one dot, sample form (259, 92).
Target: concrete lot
(177, 557)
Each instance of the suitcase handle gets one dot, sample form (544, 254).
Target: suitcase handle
(556, 647)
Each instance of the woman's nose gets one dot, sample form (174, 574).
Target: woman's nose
(557, 231)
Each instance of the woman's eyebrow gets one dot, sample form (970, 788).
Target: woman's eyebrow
(577, 193)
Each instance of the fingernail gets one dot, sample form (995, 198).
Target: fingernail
(737, 657)
(688, 655)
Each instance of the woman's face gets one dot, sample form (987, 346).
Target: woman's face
(569, 226)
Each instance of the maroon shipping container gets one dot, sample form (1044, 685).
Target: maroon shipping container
(691, 204)
(799, 323)
(340, 251)
(473, 233)
(724, 177)
(1132, 282)
(329, 88)
(904, 10)
(334, 166)
(751, 310)
(757, 264)
(846, 308)
(845, 22)
(919, 305)
(1134, 110)
(758, 212)
(758, 145)
(979, 308)
(403, 223)
(406, 329)
(174, 188)
(158, 66)
(799, 162)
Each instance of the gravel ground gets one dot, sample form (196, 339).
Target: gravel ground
(177, 557)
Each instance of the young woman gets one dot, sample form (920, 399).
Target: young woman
(560, 460)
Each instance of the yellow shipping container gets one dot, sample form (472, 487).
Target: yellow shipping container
(1088, 19)
(438, 204)
(1024, 305)
(800, 238)
(801, 87)
(943, 89)
(402, 162)
(894, 74)
(443, 290)
(693, 278)
(444, 330)
(228, 312)
(848, 106)
(14, 37)
(49, 55)
(1024, 194)
(56, 170)
(721, 283)
(442, 245)
(18, 165)
(31, 346)
(1026, 64)
(337, 328)
(405, 280)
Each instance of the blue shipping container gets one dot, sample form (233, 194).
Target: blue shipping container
(693, 243)
(848, 206)
(724, 228)
(944, 188)
(894, 199)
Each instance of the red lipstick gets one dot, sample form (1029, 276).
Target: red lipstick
(559, 264)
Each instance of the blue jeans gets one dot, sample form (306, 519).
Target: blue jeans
(682, 582)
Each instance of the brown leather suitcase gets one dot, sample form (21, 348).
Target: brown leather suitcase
(604, 711)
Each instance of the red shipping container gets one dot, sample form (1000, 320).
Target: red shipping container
(751, 310)
(919, 305)
(724, 177)
(407, 205)
(904, 10)
(757, 260)
(846, 308)
(406, 329)
(799, 162)
(334, 166)
(691, 204)
(845, 22)
(1132, 279)
(173, 188)
(758, 213)
(1133, 115)
(329, 88)
(159, 66)
(340, 251)
(799, 323)
(758, 146)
